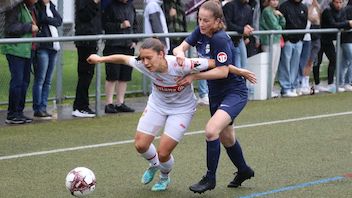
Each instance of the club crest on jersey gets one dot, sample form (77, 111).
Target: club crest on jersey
(221, 57)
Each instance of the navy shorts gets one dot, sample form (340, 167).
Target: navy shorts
(231, 103)
(119, 72)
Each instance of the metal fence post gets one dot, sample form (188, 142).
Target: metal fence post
(60, 62)
(338, 60)
(270, 67)
(98, 79)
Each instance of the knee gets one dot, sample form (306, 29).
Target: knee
(211, 132)
(163, 156)
(140, 146)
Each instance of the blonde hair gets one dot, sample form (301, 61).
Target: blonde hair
(216, 9)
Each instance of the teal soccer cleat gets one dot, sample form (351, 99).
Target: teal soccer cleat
(148, 175)
(161, 185)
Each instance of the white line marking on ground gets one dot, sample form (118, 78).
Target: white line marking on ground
(189, 133)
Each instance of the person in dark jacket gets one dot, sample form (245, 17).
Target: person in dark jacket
(118, 18)
(239, 17)
(296, 15)
(87, 22)
(20, 22)
(332, 17)
(46, 56)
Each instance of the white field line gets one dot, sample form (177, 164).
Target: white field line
(188, 133)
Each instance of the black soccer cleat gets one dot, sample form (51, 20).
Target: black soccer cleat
(203, 185)
(240, 178)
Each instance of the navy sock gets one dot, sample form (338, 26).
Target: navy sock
(235, 154)
(213, 154)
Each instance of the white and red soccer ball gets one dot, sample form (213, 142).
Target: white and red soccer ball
(80, 181)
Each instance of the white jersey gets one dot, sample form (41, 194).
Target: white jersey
(167, 96)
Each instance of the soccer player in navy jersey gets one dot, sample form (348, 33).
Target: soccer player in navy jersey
(170, 106)
(228, 95)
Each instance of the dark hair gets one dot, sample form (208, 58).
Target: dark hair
(216, 10)
(154, 44)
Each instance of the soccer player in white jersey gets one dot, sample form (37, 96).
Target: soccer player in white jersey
(169, 106)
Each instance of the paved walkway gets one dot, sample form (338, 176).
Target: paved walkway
(64, 111)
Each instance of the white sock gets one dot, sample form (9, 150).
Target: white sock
(151, 156)
(305, 81)
(166, 167)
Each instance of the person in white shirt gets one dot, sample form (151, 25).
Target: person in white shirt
(170, 106)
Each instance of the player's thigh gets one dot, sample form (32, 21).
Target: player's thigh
(217, 123)
(177, 125)
(151, 122)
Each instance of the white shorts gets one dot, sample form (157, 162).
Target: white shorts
(153, 121)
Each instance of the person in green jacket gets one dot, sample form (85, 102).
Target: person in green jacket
(272, 19)
(20, 22)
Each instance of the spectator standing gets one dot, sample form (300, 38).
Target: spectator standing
(296, 14)
(314, 14)
(118, 18)
(46, 56)
(20, 22)
(87, 22)
(302, 88)
(175, 19)
(346, 46)
(238, 16)
(272, 19)
(332, 17)
(155, 21)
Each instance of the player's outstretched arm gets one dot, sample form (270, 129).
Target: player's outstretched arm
(243, 72)
(116, 58)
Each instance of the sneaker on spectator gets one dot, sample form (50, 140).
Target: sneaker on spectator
(123, 108)
(348, 87)
(320, 88)
(110, 108)
(42, 115)
(204, 100)
(341, 89)
(15, 120)
(305, 90)
(86, 113)
(290, 94)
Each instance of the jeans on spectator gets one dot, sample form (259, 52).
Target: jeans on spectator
(202, 88)
(20, 69)
(288, 66)
(85, 76)
(43, 70)
(346, 64)
(305, 54)
(237, 56)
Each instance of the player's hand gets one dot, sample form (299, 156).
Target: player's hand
(187, 80)
(93, 59)
(250, 76)
(180, 59)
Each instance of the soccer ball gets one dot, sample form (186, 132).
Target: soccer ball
(80, 181)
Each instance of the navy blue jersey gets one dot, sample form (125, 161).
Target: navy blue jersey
(222, 51)
(201, 42)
